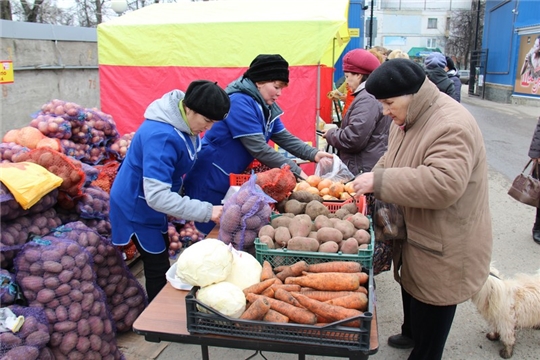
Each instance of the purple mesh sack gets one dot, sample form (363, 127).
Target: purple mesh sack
(244, 213)
(31, 338)
(57, 275)
(10, 208)
(125, 295)
(94, 203)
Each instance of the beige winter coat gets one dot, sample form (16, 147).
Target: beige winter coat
(436, 170)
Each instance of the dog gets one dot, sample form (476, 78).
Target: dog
(508, 304)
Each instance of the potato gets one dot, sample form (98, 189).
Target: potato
(313, 235)
(304, 196)
(267, 230)
(295, 207)
(350, 207)
(315, 208)
(346, 228)
(329, 234)
(322, 221)
(301, 243)
(265, 239)
(342, 213)
(329, 247)
(362, 236)
(280, 221)
(299, 226)
(349, 246)
(282, 236)
(360, 221)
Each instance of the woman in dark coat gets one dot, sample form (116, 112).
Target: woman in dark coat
(534, 153)
(453, 75)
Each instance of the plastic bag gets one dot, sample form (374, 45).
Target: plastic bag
(28, 182)
(333, 169)
(388, 221)
(244, 213)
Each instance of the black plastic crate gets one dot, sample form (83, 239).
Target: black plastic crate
(336, 335)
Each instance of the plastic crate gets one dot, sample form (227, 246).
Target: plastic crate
(334, 334)
(238, 179)
(278, 257)
(335, 205)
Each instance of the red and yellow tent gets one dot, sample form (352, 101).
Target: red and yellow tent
(148, 52)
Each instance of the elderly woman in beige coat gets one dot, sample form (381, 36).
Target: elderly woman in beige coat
(435, 170)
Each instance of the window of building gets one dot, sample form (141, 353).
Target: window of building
(432, 23)
(431, 43)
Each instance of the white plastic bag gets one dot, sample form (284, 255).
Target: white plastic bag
(333, 169)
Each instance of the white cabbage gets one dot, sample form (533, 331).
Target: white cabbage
(224, 297)
(206, 262)
(246, 270)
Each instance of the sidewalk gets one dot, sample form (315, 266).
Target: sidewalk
(510, 109)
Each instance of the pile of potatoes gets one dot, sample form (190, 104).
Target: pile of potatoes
(346, 232)
(326, 188)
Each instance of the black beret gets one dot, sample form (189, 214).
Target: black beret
(208, 99)
(394, 78)
(268, 68)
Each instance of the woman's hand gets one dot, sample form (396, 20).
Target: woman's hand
(363, 184)
(216, 213)
(322, 154)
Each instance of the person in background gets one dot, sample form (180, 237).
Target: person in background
(534, 153)
(398, 54)
(362, 138)
(435, 170)
(254, 119)
(435, 64)
(383, 51)
(453, 75)
(377, 54)
(145, 190)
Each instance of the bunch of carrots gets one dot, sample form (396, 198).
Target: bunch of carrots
(315, 294)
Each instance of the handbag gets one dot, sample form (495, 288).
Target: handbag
(526, 188)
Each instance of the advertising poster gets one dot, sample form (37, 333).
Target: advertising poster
(528, 65)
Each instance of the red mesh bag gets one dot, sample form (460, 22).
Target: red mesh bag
(277, 183)
(107, 174)
(60, 165)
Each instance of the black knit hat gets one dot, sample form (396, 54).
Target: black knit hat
(450, 63)
(395, 78)
(208, 99)
(268, 68)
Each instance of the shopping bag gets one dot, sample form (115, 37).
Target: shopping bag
(526, 188)
(333, 169)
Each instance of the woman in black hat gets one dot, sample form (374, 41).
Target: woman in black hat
(146, 187)
(254, 120)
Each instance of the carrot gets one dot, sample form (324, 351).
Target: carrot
(297, 315)
(295, 269)
(357, 300)
(327, 281)
(274, 316)
(362, 278)
(271, 290)
(257, 310)
(284, 295)
(331, 312)
(259, 287)
(325, 295)
(336, 266)
(267, 272)
(280, 268)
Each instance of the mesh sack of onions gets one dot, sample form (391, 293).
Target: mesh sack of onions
(15, 233)
(106, 176)
(10, 209)
(30, 339)
(125, 296)
(244, 213)
(74, 150)
(57, 163)
(57, 275)
(52, 126)
(10, 150)
(64, 109)
(95, 154)
(93, 204)
(102, 122)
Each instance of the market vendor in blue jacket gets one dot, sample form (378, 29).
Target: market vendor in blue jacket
(146, 188)
(254, 119)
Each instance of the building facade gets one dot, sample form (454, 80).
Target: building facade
(512, 43)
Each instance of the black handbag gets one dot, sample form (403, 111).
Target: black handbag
(526, 188)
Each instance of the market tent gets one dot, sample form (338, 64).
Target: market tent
(148, 52)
